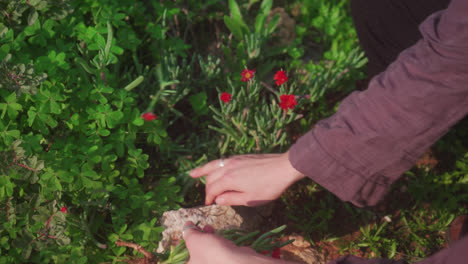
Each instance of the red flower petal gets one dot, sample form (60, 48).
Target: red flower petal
(276, 253)
(148, 116)
(225, 97)
(288, 101)
(280, 77)
(247, 74)
(64, 209)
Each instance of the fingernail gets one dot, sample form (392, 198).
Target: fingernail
(208, 229)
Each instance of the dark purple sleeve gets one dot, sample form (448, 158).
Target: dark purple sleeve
(378, 134)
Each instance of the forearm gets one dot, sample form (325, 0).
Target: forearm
(378, 134)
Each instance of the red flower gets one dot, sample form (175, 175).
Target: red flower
(247, 75)
(280, 77)
(225, 97)
(148, 116)
(64, 210)
(276, 253)
(287, 101)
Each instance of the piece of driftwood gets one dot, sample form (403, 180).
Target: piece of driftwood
(300, 251)
(218, 216)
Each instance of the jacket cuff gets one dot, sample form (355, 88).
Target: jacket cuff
(308, 157)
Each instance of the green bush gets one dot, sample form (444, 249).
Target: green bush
(80, 168)
(75, 138)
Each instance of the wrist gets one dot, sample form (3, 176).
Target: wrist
(294, 174)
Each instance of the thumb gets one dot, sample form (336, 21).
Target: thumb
(191, 234)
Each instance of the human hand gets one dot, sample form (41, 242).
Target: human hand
(207, 248)
(249, 180)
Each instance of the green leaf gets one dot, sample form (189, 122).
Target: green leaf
(47, 175)
(3, 31)
(259, 23)
(113, 237)
(3, 108)
(103, 132)
(91, 174)
(273, 24)
(138, 121)
(154, 138)
(55, 107)
(199, 103)
(92, 149)
(31, 116)
(85, 65)
(113, 118)
(4, 50)
(265, 7)
(127, 236)
(65, 176)
(57, 184)
(234, 27)
(9, 189)
(34, 2)
(75, 119)
(100, 41)
(122, 229)
(13, 109)
(95, 159)
(33, 29)
(26, 253)
(13, 133)
(11, 98)
(119, 251)
(16, 106)
(110, 36)
(235, 11)
(32, 18)
(134, 84)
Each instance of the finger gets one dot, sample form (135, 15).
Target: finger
(215, 175)
(232, 198)
(207, 168)
(189, 229)
(218, 187)
(190, 233)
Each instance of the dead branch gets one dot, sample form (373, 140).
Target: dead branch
(135, 247)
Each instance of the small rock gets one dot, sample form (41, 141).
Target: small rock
(300, 251)
(286, 30)
(218, 216)
(299, 241)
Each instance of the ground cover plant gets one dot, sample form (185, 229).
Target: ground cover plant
(106, 105)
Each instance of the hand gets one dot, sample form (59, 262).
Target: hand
(249, 180)
(208, 248)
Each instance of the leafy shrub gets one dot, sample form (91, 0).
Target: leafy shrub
(76, 78)
(73, 138)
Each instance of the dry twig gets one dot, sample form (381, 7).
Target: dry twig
(135, 247)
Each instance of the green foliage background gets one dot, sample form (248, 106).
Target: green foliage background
(75, 77)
